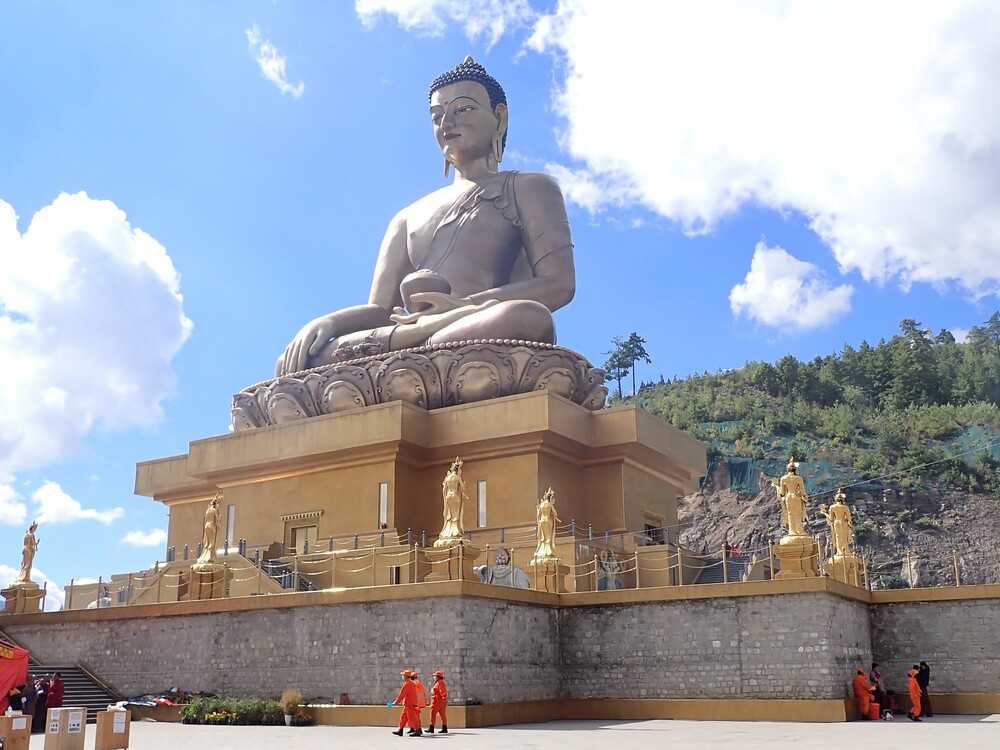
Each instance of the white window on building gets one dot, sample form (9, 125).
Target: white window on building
(481, 501)
(230, 525)
(383, 504)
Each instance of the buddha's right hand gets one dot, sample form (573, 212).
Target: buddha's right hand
(307, 343)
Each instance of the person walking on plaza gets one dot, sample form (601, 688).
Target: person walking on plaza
(924, 680)
(914, 688)
(421, 699)
(56, 690)
(863, 690)
(407, 698)
(439, 703)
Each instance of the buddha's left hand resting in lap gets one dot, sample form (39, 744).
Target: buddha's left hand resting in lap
(487, 257)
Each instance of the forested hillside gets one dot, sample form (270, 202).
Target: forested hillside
(910, 425)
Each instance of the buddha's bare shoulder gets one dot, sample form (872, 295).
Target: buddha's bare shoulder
(418, 211)
(538, 192)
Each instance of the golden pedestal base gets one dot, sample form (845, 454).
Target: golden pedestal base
(452, 562)
(845, 568)
(208, 581)
(22, 598)
(548, 574)
(799, 557)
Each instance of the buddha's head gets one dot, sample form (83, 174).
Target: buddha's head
(469, 112)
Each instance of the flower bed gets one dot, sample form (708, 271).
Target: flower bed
(239, 711)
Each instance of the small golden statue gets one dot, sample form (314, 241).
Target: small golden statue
(547, 524)
(28, 554)
(797, 552)
(454, 497)
(838, 518)
(792, 493)
(210, 536)
(844, 565)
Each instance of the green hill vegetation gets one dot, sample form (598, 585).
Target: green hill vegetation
(916, 411)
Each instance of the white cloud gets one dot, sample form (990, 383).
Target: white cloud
(782, 291)
(153, 538)
(273, 65)
(54, 593)
(53, 505)
(489, 18)
(961, 334)
(90, 319)
(13, 511)
(879, 124)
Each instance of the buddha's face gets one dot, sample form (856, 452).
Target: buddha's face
(464, 124)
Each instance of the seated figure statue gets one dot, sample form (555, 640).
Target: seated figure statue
(487, 257)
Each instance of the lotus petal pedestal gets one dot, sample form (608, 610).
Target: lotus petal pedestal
(451, 562)
(799, 556)
(548, 574)
(22, 598)
(208, 581)
(430, 377)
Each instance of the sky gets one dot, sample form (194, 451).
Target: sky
(184, 185)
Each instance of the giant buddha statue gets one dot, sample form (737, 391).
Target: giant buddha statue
(480, 263)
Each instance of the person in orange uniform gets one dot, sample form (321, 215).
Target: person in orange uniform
(408, 699)
(863, 690)
(439, 702)
(421, 702)
(914, 687)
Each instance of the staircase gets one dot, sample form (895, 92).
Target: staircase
(82, 689)
(736, 566)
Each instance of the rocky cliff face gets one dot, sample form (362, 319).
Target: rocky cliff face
(892, 529)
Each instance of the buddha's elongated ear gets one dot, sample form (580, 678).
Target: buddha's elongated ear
(502, 115)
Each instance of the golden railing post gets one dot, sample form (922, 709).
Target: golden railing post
(637, 569)
(725, 569)
(864, 567)
(770, 558)
(333, 569)
(958, 574)
(680, 565)
(129, 589)
(373, 566)
(260, 575)
(596, 582)
(159, 584)
(909, 569)
(69, 601)
(461, 561)
(295, 573)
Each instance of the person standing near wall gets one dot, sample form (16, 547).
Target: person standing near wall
(914, 688)
(875, 677)
(56, 690)
(924, 680)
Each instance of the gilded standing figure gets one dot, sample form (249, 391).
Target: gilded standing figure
(28, 554)
(792, 493)
(454, 498)
(838, 518)
(210, 536)
(547, 524)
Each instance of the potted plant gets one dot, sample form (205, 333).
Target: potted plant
(290, 701)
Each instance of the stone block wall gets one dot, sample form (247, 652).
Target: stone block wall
(959, 639)
(789, 646)
(492, 651)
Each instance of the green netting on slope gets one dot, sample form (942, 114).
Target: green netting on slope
(972, 442)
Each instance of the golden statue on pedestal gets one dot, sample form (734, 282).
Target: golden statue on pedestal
(28, 554)
(844, 565)
(547, 524)
(838, 518)
(454, 497)
(210, 536)
(792, 493)
(797, 551)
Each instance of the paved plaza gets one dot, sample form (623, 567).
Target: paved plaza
(945, 731)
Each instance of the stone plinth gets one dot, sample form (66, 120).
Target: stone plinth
(22, 598)
(548, 574)
(845, 568)
(208, 581)
(429, 377)
(799, 557)
(451, 562)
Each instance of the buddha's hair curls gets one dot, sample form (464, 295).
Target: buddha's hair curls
(470, 70)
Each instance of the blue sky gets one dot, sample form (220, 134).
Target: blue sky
(270, 206)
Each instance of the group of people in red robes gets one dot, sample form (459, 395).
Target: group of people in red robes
(413, 698)
(874, 702)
